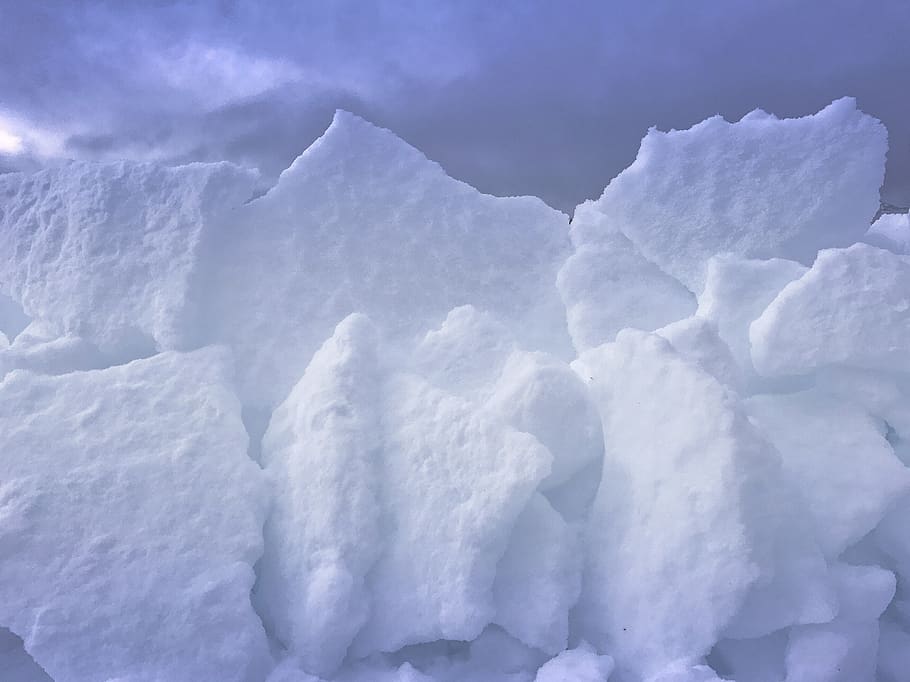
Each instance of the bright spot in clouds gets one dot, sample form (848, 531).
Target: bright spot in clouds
(9, 143)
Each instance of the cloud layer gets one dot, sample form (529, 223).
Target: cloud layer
(514, 97)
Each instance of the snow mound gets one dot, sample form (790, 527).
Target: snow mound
(375, 425)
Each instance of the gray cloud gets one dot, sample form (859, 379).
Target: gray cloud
(545, 98)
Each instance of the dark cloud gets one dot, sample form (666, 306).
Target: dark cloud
(515, 97)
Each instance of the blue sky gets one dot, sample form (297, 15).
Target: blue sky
(545, 98)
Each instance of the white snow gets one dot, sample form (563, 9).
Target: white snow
(762, 187)
(375, 425)
(132, 519)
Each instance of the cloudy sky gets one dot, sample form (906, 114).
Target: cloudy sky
(515, 97)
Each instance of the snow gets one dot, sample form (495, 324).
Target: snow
(363, 222)
(582, 664)
(762, 187)
(120, 558)
(375, 425)
(108, 252)
(607, 285)
(851, 308)
(891, 231)
(672, 502)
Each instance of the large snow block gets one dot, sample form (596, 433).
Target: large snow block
(851, 308)
(395, 502)
(758, 188)
(131, 519)
(322, 452)
(676, 538)
(363, 222)
(108, 251)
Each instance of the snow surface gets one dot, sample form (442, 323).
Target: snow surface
(374, 425)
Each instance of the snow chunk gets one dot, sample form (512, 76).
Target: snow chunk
(851, 308)
(86, 521)
(670, 526)
(542, 396)
(323, 534)
(363, 222)
(737, 290)
(698, 341)
(845, 649)
(582, 664)
(607, 285)
(539, 578)
(466, 352)
(891, 231)
(837, 457)
(395, 503)
(107, 251)
(759, 188)
(454, 482)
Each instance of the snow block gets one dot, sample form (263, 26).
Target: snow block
(119, 558)
(324, 534)
(108, 251)
(851, 308)
(677, 520)
(363, 222)
(819, 438)
(762, 187)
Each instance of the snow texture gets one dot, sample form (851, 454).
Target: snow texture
(762, 187)
(120, 557)
(374, 425)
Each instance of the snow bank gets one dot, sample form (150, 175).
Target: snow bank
(374, 425)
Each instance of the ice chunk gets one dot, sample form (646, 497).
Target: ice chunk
(891, 231)
(851, 308)
(539, 578)
(542, 396)
(737, 290)
(759, 188)
(108, 251)
(670, 526)
(582, 664)
(843, 650)
(363, 222)
(322, 453)
(455, 480)
(607, 285)
(119, 558)
(836, 456)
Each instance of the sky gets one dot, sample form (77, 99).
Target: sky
(514, 97)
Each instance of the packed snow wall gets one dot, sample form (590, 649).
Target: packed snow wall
(374, 425)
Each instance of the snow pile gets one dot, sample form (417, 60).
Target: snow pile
(374, 425)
